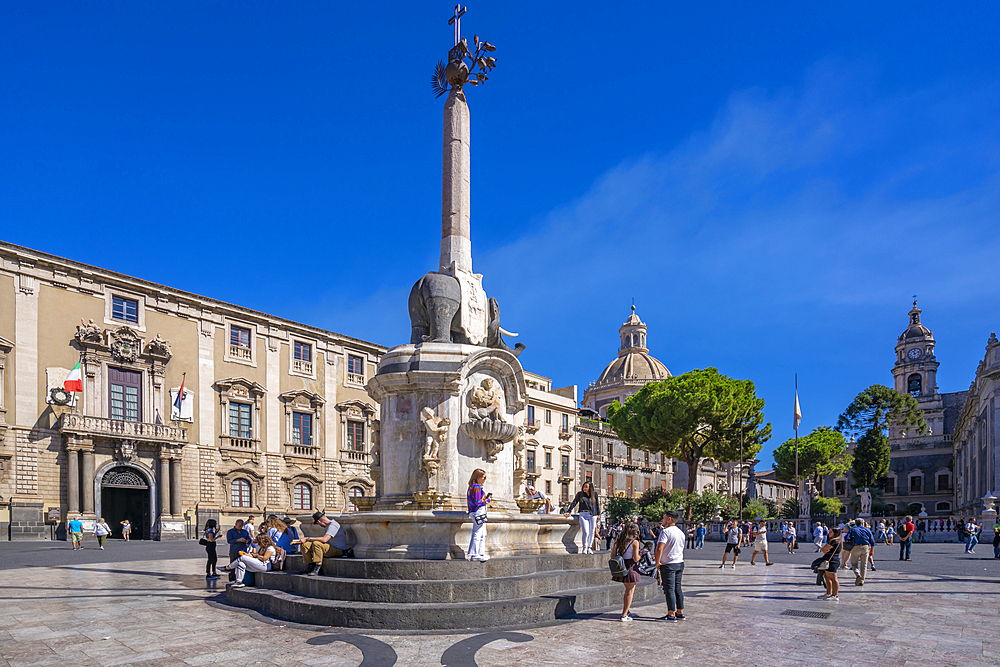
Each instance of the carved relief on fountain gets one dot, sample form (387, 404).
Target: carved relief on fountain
(487, 417)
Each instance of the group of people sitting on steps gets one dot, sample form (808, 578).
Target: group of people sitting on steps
(264, 549)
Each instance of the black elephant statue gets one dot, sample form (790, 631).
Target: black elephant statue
(435, 306)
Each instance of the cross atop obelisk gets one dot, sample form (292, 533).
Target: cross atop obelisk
(456, 20)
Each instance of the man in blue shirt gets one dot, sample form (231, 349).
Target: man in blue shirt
(864, 542)
(239, 539)
(76, 532)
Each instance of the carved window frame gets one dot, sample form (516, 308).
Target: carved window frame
(348, 382)
(909, 482)
(5, 349)
(227, 356)
(937, 479)
(140, 299)
(315, 484)
(303, 402)
(257, 490)
(314, 352)
(356, 411)
(245, 392)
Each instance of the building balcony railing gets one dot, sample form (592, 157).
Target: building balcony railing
(356, 378)
(355, 455)
(243, 444)
(125, 430)
(304, 367)
(240, 352)
(306, 451)
(565, 433)
(532, 424)
(630, 463)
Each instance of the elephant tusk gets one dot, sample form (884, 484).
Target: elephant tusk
(507, 333)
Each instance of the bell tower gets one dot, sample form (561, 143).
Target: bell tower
(915, 370)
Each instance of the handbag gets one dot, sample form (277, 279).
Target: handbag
(203, 542)
(480, 519)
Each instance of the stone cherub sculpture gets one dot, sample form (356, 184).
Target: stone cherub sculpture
(866, 501)
(486, 401)
(437, 431)
(89, 332)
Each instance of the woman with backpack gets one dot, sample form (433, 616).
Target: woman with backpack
(625, 555)
(208, 541)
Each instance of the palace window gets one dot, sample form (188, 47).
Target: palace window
(610, 450)
(356, 436)
(548, 460)
(943, 482)
(239, 420)
(125, 310)
(565, 422)
(628, 486)
(352, 493)
(590, 448)
(943, 507)
(564, 494)
(302, 497)
(302, 357)
(240, 493)
(890, 484)
(531, 415)
(611, 484)
(840, 487)
(531, 460)
(548, 416)
(646, 481)
(913, 384)
(548, 487)
(239, 337)
(916, 483)
(303, 351)
(302, 428)
(355, 369)
(125, 395)
(564, 468)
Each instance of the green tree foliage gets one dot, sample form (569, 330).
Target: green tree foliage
(871, 459)
(879, 407)
(821, 506)
(692, 417)
(790, 509)
(620, 508)
(653, 503)
(703, 505)
(758, 506)
(822, 452)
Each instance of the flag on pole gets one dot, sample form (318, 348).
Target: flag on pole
(797, 417)
(180, 395)
(73, 381)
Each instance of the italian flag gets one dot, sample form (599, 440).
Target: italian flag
(73, 381)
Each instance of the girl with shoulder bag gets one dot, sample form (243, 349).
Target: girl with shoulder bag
(627, 547)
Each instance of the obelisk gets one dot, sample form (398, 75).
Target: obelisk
(456, 245)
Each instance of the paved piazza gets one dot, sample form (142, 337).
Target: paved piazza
(148, 603)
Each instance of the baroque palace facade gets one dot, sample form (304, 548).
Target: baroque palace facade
(275, 416)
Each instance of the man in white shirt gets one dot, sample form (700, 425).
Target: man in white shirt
(531, 494)
(332, 544)
(669, 558)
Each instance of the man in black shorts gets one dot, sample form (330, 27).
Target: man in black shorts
(732, 543)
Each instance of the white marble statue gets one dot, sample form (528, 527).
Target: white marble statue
(806, 500)
(487, 402)
(866, 501)
(437, 432)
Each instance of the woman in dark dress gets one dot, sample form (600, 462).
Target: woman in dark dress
(833, 550)
(627, 546)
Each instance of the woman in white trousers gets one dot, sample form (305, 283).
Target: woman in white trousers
(478, 502)
(259, 561)
(590, 512)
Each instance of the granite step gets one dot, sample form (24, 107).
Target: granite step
(403, 591)
(437, 616)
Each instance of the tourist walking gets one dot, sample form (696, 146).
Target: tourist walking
(996, 539)
(732, 543)
(590, 512)
(818, 536)
(101, 532)
(627, 546)
(477, 502)
(890, 533)
(260, 560)
(669, 559)
(208, 539)
(760, 544)
(905, 532)
(880, 533)
(788, 534)
(832, 549)
(331, 544)
(75, 527)
(126, 529)
(971, 536)
(699, 536)
(238, 539)
(863, 540)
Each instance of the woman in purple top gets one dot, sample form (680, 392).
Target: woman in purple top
(477, 512)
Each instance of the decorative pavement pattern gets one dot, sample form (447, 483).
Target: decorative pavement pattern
(147, 604)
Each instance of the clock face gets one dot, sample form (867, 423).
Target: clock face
(914, 353)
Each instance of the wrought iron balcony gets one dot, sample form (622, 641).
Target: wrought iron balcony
(118, 429)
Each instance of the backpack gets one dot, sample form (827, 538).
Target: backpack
(617, 566)
(279, 558)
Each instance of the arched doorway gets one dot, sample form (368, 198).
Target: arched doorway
(125, 495)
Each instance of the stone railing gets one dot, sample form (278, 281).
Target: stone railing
(533, 424)
(354, 455)
(356, 378)
(304, 367)
(244, 444)
(240, 352)
(124, 430)
(308, 451)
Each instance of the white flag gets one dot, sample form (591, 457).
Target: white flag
(797, 417)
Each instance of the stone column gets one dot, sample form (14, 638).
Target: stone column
(175, 487)
(72, 481)
(456, 244)
(164, 485)
(88, 481)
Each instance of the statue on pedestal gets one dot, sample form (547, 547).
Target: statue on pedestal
(437, 433)
(865, 497)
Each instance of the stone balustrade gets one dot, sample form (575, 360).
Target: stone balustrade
(124, 430)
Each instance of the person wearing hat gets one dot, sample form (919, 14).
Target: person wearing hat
(332, 544)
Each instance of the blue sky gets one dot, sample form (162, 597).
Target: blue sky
(770, 183)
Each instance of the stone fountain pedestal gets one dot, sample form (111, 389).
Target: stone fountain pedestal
(446, 410)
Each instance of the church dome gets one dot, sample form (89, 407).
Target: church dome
(634, 361)
(916, 329)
